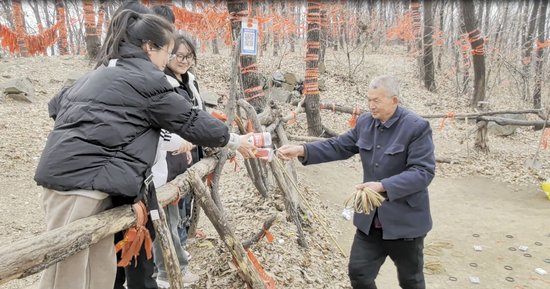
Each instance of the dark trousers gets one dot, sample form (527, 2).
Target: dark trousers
(368, 253)
(136, 277)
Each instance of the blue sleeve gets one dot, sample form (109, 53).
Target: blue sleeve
(420, 166)
(334, 149)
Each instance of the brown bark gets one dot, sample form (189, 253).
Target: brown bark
(478, 49)
(253, 91)
(428, 58)
(92, 39)
(62, 38)
(527, 49)
(20, 29)
(311, 82)
(539, 60)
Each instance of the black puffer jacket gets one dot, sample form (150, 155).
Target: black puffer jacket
(107, 127)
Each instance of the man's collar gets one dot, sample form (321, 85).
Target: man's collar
(392, 120)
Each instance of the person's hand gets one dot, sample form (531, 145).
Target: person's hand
(246, 148)
(184, 148)
(375, 186)
(189, 157)
(288, 152)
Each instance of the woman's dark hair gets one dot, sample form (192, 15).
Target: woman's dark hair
(183, 39)
(165, 12)
(135, 28)
(133, 5)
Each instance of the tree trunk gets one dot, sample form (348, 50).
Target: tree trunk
(311, 82)
(100, 20)
(7, 12)
(253, 91)
(62, 38)
(20, 28)
(36, 11)
(527, 49)
(92, 39)
(215, 47)
(429, 79)
(537, 103)
(417, 31)
(323, 35)
(48, 20)
(478, 50)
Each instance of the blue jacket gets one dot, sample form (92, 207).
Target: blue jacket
(400, 154)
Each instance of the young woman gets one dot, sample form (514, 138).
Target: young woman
(184, 82)
(106, 130)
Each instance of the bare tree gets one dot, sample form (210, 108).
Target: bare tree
(527, 47)
(253, 91)
(311, 82)
(478, 50)
(62, 38)
(537, 103)
(92, 39)
(429, 80)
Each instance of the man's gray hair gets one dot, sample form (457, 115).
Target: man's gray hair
(388, 83)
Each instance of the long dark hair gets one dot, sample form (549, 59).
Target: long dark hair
(135, 28)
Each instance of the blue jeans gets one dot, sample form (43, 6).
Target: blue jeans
(173, 219)
(185, 214)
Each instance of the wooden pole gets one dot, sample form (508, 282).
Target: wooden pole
(249, 273)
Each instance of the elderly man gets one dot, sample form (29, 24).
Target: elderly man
(397, 152)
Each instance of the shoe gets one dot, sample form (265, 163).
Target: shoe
(163, 284)
(189, 278)
(187, 255)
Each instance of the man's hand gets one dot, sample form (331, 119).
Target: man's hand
(375, 186)
(288, 152)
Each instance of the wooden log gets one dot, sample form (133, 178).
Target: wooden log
(258, 236)
(485, 113)
(249, 273)
(305, 138)
(291, 202)
(517, 122)
(260, 175)
(164, 239)
(345, 109)
(35, 253)
(481, 137)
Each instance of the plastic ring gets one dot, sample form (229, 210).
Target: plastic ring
(538, 243)
(473, 264)
(527, 255)
(509, 236)
(512, 249)
(475, 235)
(452, 278)
(509, 279)
(508, 267)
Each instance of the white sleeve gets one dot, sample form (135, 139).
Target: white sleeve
(170, 141)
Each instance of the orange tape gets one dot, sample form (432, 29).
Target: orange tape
(449, 116)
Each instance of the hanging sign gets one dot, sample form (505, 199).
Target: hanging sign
(249, 37)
